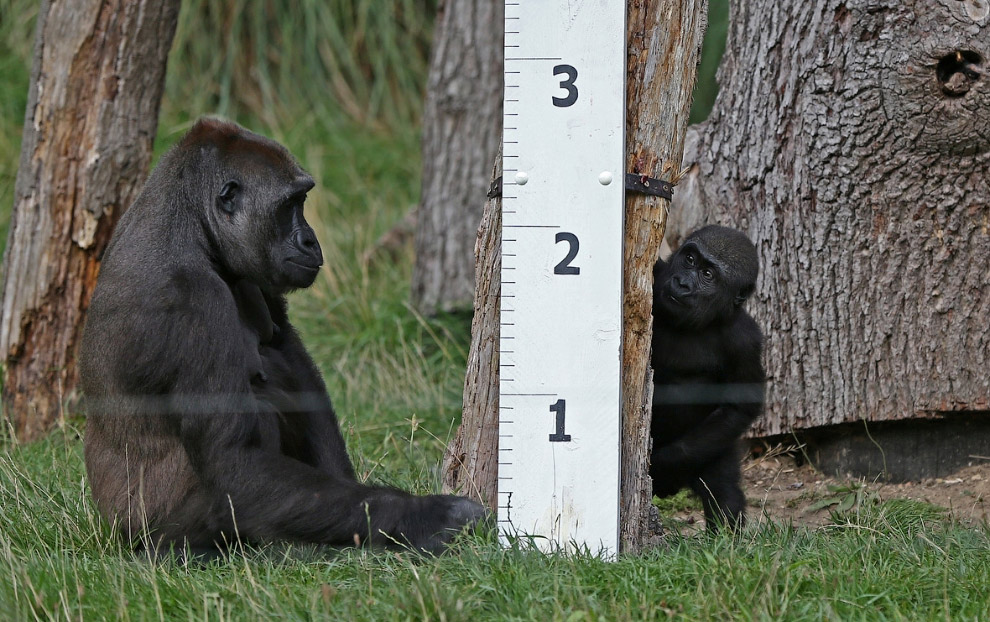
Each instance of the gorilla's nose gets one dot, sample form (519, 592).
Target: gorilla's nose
(306, 240)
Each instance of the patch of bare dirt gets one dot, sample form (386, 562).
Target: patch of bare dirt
(783, 489)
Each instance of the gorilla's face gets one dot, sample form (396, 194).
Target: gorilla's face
(694, 293)
(705, 283)
(259, 224)
(296, 254)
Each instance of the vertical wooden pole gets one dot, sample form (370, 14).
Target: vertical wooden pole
(470, 463)
(664, 39)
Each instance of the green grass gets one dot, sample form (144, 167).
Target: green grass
(396, 381)
(16, 26)
(896, 560)
(361, 58)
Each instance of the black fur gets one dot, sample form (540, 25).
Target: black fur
(208, 420)
(708, 371)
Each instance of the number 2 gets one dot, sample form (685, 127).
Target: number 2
(566, 84)
(565, 267)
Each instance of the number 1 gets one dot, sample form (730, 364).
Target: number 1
(559, 436)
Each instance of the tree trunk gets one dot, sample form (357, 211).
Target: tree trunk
(99, 69)
(663, 62)
(462, 128)
(661, 72)
(470, 464)
(851, 140)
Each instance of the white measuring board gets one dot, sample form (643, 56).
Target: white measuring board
(561, 304)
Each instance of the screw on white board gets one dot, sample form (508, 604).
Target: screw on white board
(561, 302)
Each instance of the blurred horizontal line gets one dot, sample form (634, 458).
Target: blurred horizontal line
(708, 393)
(205, 404)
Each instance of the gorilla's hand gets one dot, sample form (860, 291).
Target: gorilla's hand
(439, 519)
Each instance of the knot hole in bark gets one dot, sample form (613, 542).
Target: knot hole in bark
(957, 72)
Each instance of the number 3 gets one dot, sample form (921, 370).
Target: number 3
(568, 85)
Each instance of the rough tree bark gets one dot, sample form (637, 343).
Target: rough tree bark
(462, 128)
(851, 140)
(96, 85)
(470, 463)
(664, 39)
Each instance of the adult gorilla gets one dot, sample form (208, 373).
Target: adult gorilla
(208, 421)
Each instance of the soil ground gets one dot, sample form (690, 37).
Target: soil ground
(784, 489)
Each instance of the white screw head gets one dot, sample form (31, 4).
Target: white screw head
(521, 178)
(605, 178)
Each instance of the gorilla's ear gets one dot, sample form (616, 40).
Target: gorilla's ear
(227, 199)
(744, 293)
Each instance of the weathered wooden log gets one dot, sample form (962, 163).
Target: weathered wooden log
(96, 85)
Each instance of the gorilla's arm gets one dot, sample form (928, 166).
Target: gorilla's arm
(711, 438)
(295, 385)
(292, 384)
(235, 451)
(254, 309)
(310, 418)
(743, 384)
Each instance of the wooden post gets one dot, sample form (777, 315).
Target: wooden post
(664, 39)
(99, 71)
(470, 464)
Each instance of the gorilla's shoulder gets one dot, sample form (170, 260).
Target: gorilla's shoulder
(194, 291)
(744, 335)
(189, 297)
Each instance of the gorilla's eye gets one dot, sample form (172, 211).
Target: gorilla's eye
(689, 259)
(225, 200)
(286, 214)
(708, 275)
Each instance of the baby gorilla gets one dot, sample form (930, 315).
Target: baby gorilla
(208, 421)
(709, 379)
